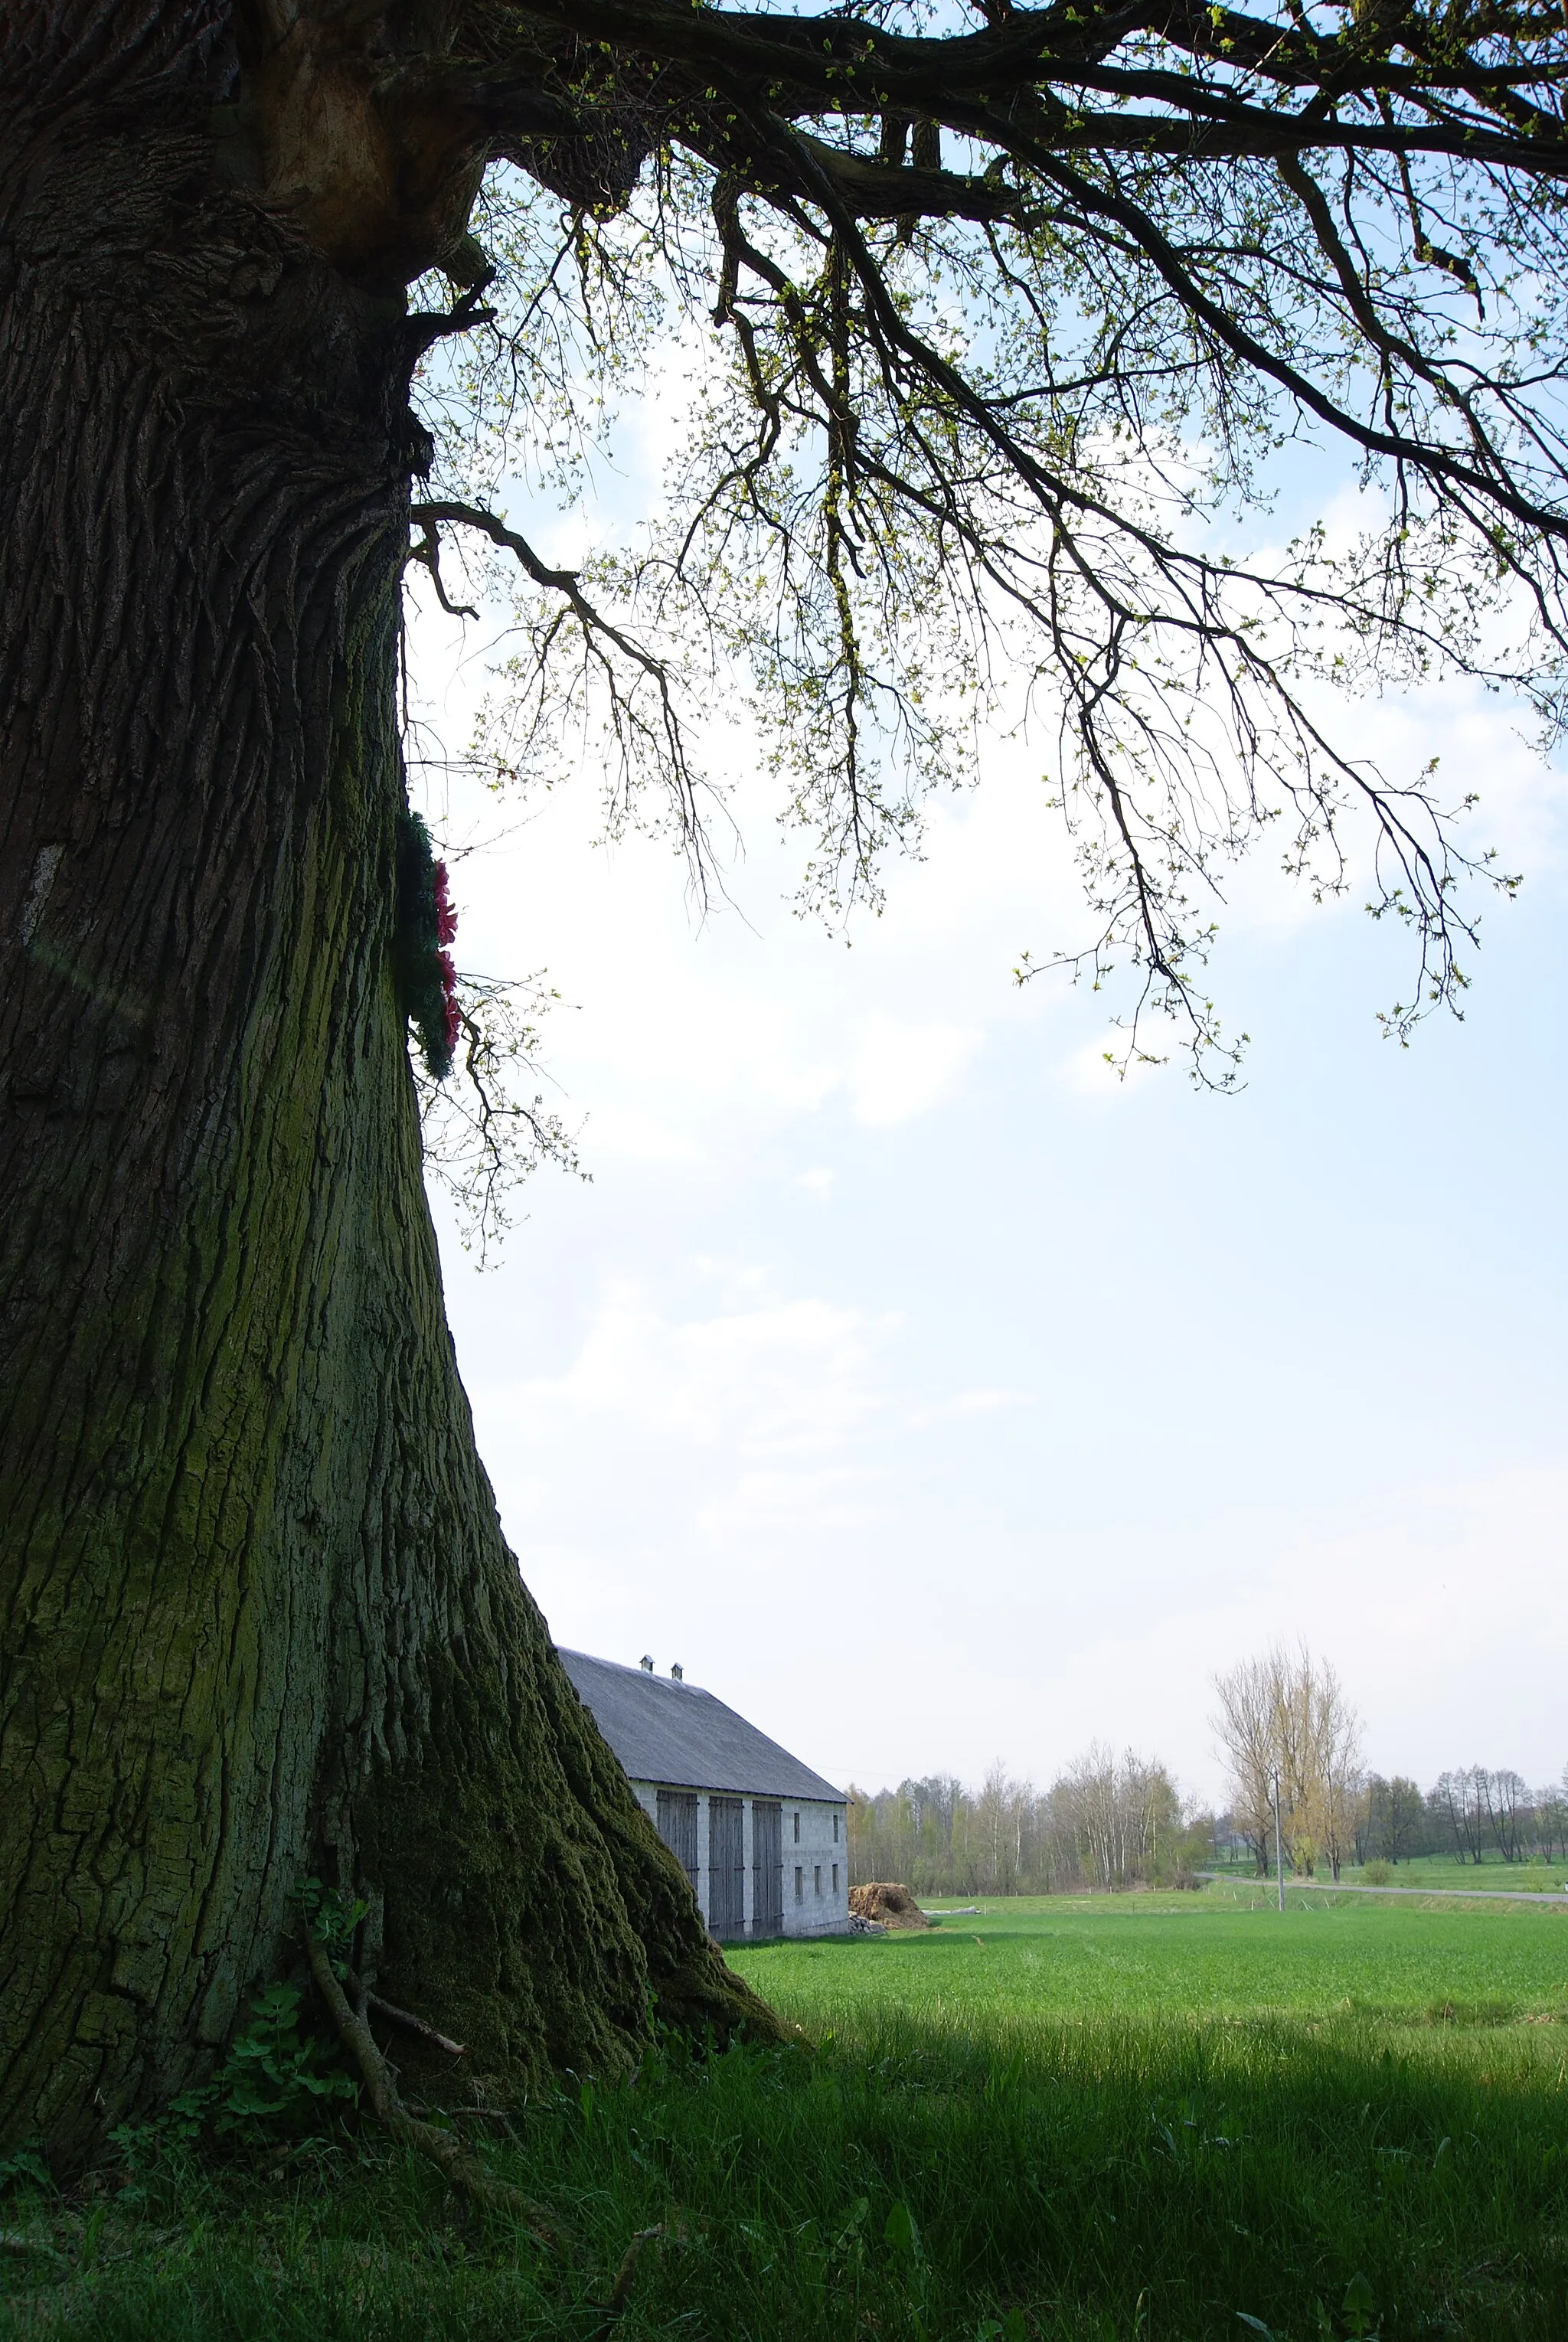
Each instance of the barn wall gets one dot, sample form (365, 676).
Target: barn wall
(817, 1848)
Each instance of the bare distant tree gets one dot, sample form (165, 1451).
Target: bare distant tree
(1551, 1818)
(1505, 1799)
(1458, 1801)
(1406, 1816)
(999, 1825)
(1395, 1817)
(1120, 1812)
(1341, 1796)
(1285, 1718)
(1245, 1729)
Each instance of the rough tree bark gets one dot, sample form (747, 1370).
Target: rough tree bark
(259, 1621)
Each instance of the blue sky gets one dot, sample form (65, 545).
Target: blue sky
(934, 1397)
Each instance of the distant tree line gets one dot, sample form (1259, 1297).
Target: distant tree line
(1291, 1742)
(1108, 1821)
(1471, 1815)
(1292, 1746)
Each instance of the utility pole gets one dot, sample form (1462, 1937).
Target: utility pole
(1279, 1854)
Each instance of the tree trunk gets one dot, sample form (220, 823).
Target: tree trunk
(259, 1620)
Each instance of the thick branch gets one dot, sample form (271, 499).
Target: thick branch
(873, 191)
(834, 66)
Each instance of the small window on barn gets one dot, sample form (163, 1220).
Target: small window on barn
(835, 1878)
(797, 1829)
(836, 1830)
(816, 1877)
(799, 1884)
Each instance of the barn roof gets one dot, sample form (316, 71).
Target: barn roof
(677, 1734)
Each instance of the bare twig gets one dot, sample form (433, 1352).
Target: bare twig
(617, 2304)
(365, 1999)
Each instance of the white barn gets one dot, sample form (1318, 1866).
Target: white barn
(761, 1836)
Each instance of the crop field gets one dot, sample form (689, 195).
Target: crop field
(1142, 2118)
(1440, 1871)
(1435, 1870)
(1223, 1954)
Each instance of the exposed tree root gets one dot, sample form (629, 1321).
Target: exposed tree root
(442, 2148)
(12, 2242)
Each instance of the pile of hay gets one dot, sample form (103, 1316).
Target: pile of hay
(895, 1906)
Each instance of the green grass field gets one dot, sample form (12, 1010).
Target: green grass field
(1225, 1954)
(1438, 1872)
(1435, 1870)
(1148, 2118)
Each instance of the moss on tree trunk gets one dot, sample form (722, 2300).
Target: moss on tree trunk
(259, 1619)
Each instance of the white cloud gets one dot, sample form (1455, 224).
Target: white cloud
(901, 1070)
(634, 1135)
(787, 1379)
(965, 1404)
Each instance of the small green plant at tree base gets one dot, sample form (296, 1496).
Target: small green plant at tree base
(25, 2168)
(274, 2082)
(330, 1917)
(1357, 2310)
(1360, 2306)
(1376, 1873)
(901, 2236)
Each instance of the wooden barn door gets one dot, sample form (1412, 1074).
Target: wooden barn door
(678, 1829)
(727, 1869)
(767, 1868)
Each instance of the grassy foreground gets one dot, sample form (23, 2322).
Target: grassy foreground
(1149, 2119)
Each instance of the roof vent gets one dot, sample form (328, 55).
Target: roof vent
(678, 1673)
(646, 1664)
